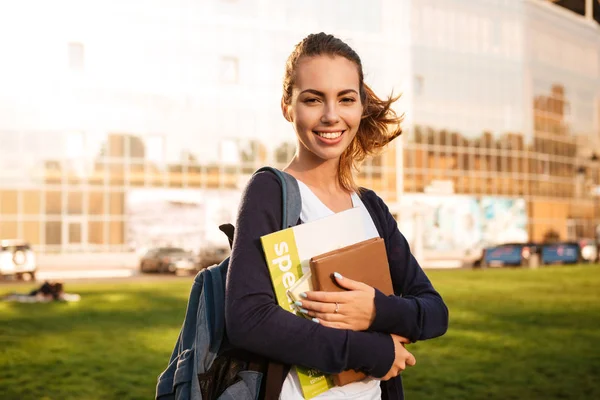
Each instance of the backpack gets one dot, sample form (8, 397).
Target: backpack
(203, 365)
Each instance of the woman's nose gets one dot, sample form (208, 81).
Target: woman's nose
(330, 114)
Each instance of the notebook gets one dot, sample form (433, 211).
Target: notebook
(366, 262)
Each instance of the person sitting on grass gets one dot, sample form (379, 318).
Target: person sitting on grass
(47, 292)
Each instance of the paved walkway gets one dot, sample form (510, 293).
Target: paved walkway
(85, 274)
(123, 265)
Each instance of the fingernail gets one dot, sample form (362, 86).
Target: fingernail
(315, 320)
(338, 276)
(303, 311)
(303, 295)
(298, 303)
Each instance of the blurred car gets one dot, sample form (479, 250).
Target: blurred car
(561, 253)
(512, 254)
(17, 260)
(168, 260)
(211, 255)
(533, 255)
(589, 250)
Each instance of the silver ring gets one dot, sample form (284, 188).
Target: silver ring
(337, 308)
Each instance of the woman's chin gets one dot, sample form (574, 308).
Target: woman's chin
(320, 154)
(328, 156)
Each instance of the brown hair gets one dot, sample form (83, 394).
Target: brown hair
(379, 123)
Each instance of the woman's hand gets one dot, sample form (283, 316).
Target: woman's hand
(402, 358)
(353, 309)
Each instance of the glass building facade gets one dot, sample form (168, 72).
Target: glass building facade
(121, 100)
(506, 103)
(98, 102)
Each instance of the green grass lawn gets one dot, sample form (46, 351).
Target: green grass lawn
(514, 334)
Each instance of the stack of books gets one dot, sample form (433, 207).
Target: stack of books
(304, 258)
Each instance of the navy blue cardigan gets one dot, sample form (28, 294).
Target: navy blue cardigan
(256, 323)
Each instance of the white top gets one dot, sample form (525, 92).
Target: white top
(367, 389)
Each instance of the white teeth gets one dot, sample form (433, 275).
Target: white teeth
(330, 135)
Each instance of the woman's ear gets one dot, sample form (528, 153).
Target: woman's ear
(285, 109)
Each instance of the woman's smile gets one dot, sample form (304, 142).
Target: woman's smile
(330, 137)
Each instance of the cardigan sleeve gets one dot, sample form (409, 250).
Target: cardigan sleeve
(254, 320)
(416, 311)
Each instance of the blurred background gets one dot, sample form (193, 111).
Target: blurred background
(129, 128)
(130, 125)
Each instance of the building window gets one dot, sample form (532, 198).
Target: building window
(228, 70)
(76, 56)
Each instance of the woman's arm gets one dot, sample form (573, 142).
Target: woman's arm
(417, 311)
(256, 322)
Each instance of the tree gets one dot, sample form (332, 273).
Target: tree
(252, 151)
(551, 236)
(284, 152)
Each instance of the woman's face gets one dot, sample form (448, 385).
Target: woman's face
(325, 108)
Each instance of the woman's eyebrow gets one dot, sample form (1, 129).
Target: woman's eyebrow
(318, 93)
(343, 92)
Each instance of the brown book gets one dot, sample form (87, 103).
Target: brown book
(365, 262)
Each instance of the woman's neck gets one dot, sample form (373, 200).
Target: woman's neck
(321, 174)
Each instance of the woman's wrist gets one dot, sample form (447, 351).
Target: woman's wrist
(371, 352)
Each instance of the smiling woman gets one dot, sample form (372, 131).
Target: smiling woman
(338, 121)
(325, 74)
(326, 119)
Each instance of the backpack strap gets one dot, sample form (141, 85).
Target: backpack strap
(214, 298)
(291, 199)
(291, 202)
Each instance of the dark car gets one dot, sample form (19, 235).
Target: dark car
(212, 255)
(512, 254)
(168, 260)
(532, 254)
(561, 253)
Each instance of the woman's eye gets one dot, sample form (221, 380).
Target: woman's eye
(311, 100)
(348, 100)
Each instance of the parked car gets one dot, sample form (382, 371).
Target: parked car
(535, 254)
(168, 260)
(211, 255)
(512, 254)
(17, 260)
(561, 253)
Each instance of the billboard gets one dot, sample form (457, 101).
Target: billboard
(187, 218)
(458, 224)
(504, 220)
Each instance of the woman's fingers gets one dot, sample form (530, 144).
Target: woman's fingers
(332, 324)
(326, 297)
(402, 359)
(316, 306)
(350, 284)
(327, 316)
(394, 372)
(356, 307)
(400, 339)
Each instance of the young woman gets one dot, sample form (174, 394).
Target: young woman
(338, 121)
